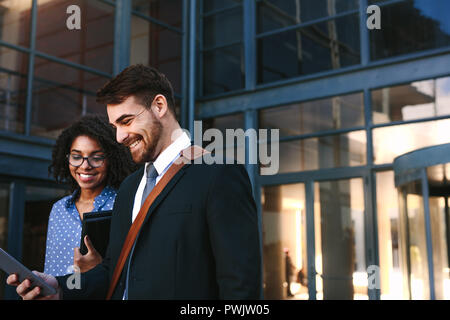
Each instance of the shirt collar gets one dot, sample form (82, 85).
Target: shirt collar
(170, 153)
(99, 200)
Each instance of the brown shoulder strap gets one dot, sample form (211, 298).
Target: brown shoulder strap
(187, 155)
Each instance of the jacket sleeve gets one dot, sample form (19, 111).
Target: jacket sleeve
(233, 230)
(92, 284)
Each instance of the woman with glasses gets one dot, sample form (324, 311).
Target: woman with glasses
(88, 157)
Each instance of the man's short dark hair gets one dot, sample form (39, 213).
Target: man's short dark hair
(140, 81)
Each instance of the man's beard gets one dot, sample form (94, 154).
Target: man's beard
(149, 153)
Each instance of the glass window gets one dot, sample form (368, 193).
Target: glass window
(38, 204)
(92, 45)
(15, 18)
(166, 11)
(284, 242)
(340, 240)
(4, 212)
(416, 100)
(223, 28)
(230, 121)
(315, 116)
(332, 151)
(223, 70)
(377, 1)
(390, 142)
(320, 47)
(275, 14)
(411, 26)
(388, 238)
(60, 95)
(233, 143)
(210, 5)
(13, 88)
(158, 47)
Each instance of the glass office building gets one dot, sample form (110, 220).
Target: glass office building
(349, 101)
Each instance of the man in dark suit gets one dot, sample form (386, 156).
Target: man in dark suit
(200, 237)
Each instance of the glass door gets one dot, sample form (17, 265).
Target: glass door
(341, 271)
(439, 191)
(284, 242)
(4, 210)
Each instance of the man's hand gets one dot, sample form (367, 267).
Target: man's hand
(89, 260)
(24, 289)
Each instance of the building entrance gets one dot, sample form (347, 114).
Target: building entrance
(422, 181)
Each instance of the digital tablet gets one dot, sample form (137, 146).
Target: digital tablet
(11, 265)
(96, 226)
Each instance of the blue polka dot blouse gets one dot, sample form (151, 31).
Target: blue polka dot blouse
(64, 231)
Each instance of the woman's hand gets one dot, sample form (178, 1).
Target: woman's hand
(89, 260)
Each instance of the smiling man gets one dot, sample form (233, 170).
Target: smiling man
(199, 239)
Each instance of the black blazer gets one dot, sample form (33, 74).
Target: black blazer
(200, 240)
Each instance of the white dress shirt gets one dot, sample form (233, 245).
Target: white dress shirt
(162, 164)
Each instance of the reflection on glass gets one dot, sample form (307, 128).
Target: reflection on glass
(13, 85)
(15, 18)
(222, 28)
(63, 93)
(39, 202)
(414, 252)
(233, 148)
(284, 242)
(4, 210)
(275, 14)
(315, 116)
(223, 70)
(230, 121)
(210, 5)
(438, 180)
(167, 11)
(158, 47)
(340, 240)
(390, 142)
(417, 100)
(411, 26)
(388, 238)
(320, 47)
(92, 45)
(323, 152)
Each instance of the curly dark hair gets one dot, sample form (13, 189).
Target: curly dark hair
(120, 163)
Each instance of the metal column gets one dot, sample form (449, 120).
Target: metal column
(122, 35)
(426, 209)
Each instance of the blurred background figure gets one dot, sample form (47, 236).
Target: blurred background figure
(289, 271)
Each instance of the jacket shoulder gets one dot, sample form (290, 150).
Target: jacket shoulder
(132, 179)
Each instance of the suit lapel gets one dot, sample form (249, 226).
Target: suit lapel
(166, 191)
(129, 194)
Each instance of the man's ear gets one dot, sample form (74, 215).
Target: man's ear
(159, 106)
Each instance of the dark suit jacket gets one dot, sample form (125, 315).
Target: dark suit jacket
(200, 240)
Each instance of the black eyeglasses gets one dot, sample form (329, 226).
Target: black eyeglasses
(94, 161)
